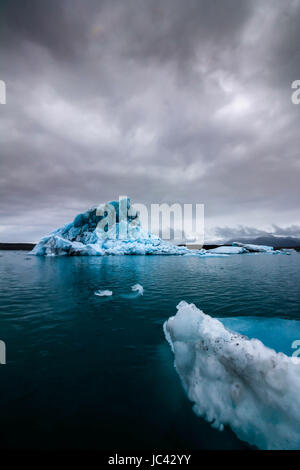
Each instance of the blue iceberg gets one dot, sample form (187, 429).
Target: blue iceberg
(96, 233)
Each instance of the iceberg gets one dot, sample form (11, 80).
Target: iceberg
(96, 233)
(254, 248)
(238, 381)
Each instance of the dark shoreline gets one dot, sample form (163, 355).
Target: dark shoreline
(17, 246)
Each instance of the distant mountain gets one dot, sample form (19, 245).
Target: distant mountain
(17, 246)
(276, 242)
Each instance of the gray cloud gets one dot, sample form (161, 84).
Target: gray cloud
(227, 233)
(165, 101)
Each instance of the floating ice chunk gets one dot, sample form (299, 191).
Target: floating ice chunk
(228, 250)
(236, 381)
(254, 248)
(287, 251)
(103, 293)
(138, 288)
(137, 291)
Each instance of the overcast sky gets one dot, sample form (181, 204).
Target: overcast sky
(163, 100)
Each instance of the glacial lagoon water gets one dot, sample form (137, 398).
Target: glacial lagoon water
(86, 371)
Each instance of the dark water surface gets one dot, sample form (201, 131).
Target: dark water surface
(96, 372)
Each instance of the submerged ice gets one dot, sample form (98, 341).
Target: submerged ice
(236, 381)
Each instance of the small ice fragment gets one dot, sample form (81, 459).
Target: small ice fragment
(138, 288)
(103, 293)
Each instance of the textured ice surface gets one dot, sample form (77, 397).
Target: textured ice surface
(236, 381)
(82, 237)
(276, 333)
(103, 293)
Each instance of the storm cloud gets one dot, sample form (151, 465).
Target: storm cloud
(165, 101)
